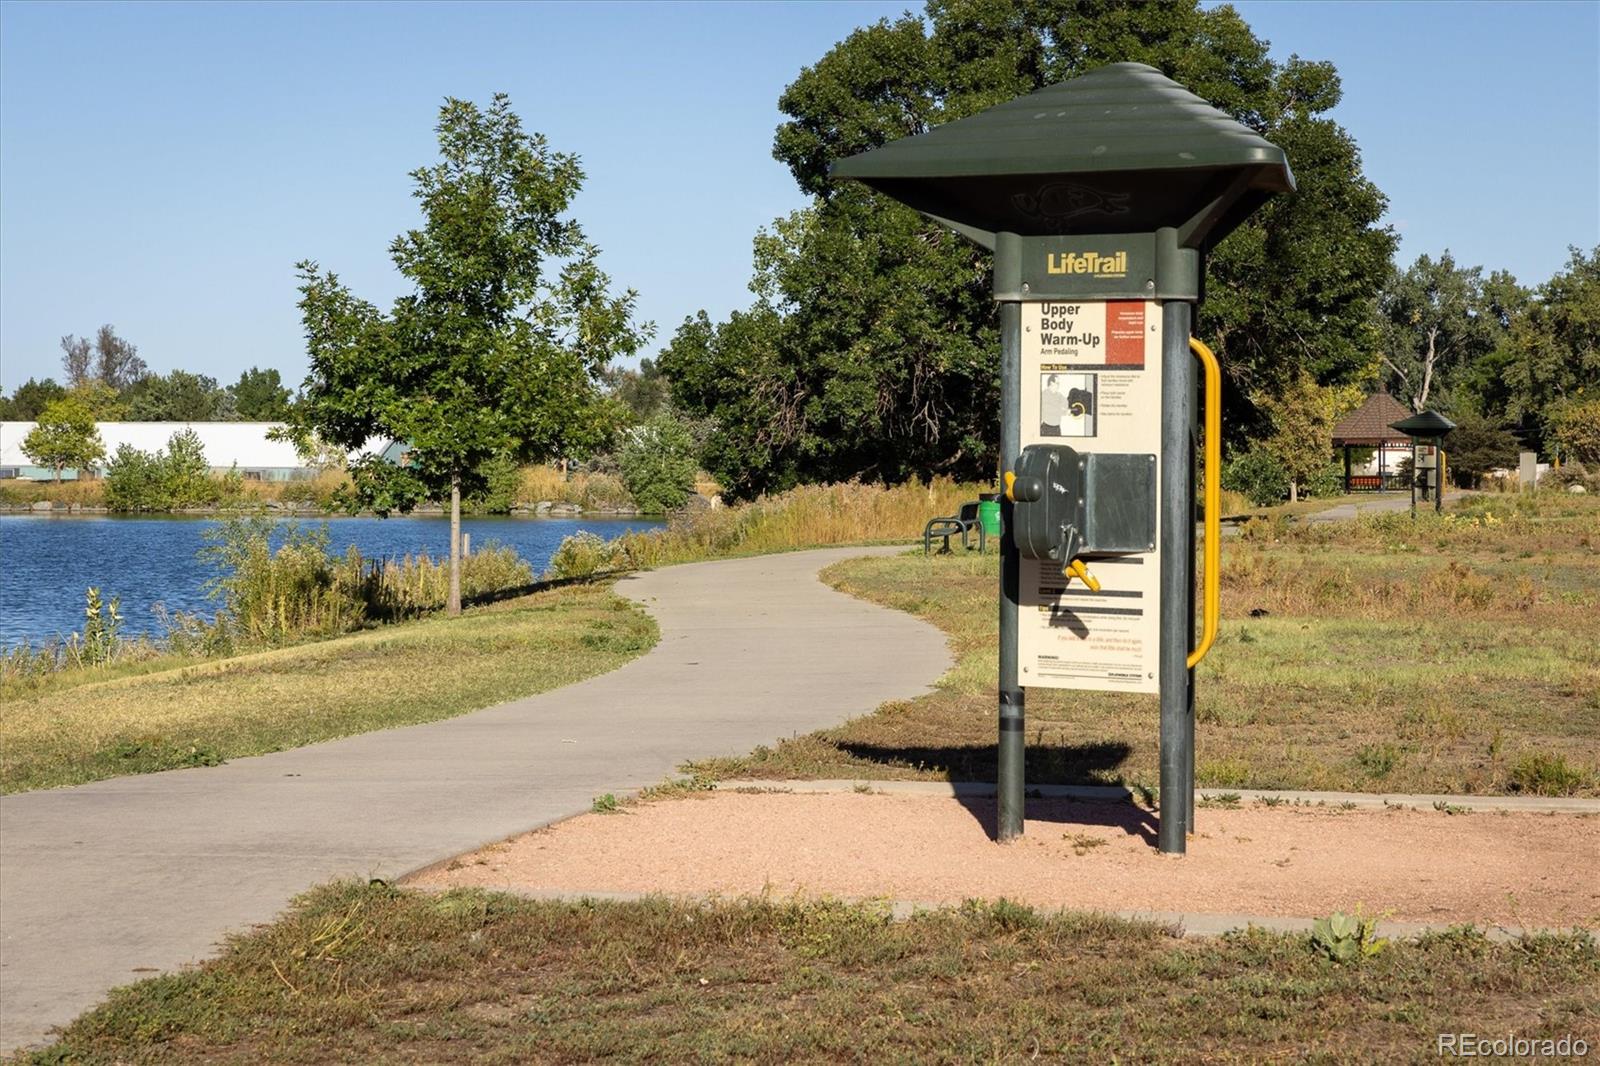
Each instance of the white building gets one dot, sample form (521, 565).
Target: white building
(227, 445)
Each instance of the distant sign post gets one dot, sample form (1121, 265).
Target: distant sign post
(1427, 431)
(1100, 198)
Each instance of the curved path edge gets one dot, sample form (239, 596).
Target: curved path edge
(103, 883)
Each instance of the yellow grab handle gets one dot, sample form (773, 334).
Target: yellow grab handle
(1211, 609)
(1076, 569)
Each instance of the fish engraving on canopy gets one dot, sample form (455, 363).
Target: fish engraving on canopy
(1061, 200)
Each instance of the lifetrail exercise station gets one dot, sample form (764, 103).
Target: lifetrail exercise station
(1099, 198)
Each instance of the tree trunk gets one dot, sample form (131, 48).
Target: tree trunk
(1421, 402)
(454, 606)
(58, 473)
(1294, 490)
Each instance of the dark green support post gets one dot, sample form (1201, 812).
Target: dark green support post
(1010, 777)
(1177, 578)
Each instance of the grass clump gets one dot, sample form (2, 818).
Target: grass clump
(368, 973)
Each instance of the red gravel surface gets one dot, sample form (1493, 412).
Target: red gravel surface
(1532, 870)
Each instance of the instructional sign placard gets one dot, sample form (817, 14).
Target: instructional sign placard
(1091, 379)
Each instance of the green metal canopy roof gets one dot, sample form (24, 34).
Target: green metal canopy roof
(1426, 424)
(1122, 149)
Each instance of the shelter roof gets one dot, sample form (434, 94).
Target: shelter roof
(1424, 424)
(1372, 422)
(1145, 152)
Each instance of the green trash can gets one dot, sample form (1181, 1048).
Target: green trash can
(989, 513)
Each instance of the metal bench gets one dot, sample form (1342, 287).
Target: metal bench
(962, 522)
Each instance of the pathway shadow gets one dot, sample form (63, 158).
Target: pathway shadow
(1046, 764)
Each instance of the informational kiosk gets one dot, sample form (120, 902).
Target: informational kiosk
(1427, 431)
(1099, 197)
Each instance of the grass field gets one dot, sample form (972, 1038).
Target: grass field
(366, 973)
(1451, 654)
(84, 725)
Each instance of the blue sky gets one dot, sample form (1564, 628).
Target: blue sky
(163, 167)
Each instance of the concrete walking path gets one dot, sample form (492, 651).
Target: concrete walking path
(104, 883)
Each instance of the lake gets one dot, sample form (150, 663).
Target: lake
(47, 562)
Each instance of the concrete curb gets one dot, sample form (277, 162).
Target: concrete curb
(1178, 924)
(1119, 794)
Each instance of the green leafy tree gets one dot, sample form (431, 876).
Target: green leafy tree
(644, 391)
(185, 473)
(1435, 321)
(65, 436)
(102, 400)
(657, 461)
(877, 352)
(1575, 427)
(1476, 446)
(30, 398)
(259, 396)
(178, 397)
(1552, 350)
(1302, 416)
(1258, 474)
(496, 349)
(133, 481)
(735, 371)
(502, 478)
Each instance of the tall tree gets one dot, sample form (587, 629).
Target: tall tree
(645, 392)
(883, 363)
(77, 360)
(30, 398)
(259, 396)
(1434, 322)
(497, 348)
(178, 397)
(1476, 446)
(1302, 416)
(1551, 353)
(116, 360)
(65, 436)
(107, 360)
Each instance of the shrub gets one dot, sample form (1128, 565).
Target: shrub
(297, 591)
(1258, 475)
(658, 464)
(580, 555)
(393, 589)
(1562, 478)
(273, 597)
(1329, 481)
(1546, 775)
(171, 479)
(133, 481)
(602, 492)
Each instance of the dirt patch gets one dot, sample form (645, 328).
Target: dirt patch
(1423, 866)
